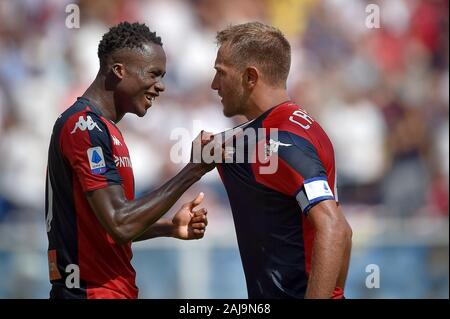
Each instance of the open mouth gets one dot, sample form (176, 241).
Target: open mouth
(150, 97)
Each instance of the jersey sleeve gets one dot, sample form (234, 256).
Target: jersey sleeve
(311, 178)
(86, 145)
(300, 172)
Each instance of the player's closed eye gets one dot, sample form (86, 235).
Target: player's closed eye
(157, 75)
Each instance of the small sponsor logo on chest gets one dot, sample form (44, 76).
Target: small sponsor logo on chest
(122, 161)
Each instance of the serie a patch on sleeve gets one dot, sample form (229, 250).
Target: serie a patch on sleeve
(96, 160)
(313, 191)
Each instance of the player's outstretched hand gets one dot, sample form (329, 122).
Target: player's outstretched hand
(205, 151)
(191, 224)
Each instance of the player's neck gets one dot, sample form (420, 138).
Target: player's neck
(259, 104)
(102, 99)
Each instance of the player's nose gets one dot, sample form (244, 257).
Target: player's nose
(214, 84)
(159, 86)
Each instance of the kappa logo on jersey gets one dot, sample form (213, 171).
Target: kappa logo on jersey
(84, 124)
(122, 161)
(116, 141)
(273, 146)
(96, 160)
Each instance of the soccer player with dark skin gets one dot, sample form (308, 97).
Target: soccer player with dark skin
(92, 216)
(286, 252)
(128, 82)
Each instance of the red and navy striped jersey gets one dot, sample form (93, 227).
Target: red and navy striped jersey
(270, 206)
(87, 152)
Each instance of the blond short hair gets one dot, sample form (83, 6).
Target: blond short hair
(260, 44)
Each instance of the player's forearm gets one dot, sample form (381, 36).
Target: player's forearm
(327, 258)
(346, 262)
(135, 217)
(161, 228)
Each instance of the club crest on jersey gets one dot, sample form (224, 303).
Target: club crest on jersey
(84, 124)
(272, 147)
(96, 160)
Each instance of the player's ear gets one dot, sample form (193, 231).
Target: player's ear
(251, 76)
(118, 70)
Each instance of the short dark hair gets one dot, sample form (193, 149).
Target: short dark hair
(125, 35)
(264, 45)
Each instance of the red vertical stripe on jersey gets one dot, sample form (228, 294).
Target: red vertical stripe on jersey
(280, 180)
(285, 179)
(77, 155)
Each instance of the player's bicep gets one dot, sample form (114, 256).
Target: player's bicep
(106, 203)
(323, 213)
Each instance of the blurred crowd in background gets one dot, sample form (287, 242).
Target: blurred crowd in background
(382, 95)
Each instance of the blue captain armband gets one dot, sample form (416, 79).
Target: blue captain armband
(314, 190)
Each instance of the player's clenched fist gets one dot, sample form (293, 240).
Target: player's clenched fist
(206, 151)
(190, 224)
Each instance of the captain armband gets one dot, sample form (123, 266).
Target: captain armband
(314, 190)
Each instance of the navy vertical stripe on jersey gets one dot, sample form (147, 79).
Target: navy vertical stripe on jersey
(301, 155)
(63, 235)
(111, 175)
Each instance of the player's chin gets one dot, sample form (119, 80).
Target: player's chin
(141, 110)
(228, 112)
